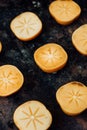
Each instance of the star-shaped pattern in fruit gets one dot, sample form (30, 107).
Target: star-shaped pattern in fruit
(50, 56)
(33, 117)
(75, 96)
(25, 25)
(7, 79)
(65, 9)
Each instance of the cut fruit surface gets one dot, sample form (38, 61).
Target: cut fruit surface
(79, 39)
(32, 115)
(26, 26)
(50, 57)
(64, 11)
(72, 98)
(11, 80)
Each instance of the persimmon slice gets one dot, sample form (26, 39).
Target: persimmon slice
(0, 46)
(26, 26)
(72, 98)
(79, 39)
(11, 80)
(32, 115)
(50, 57)
(64, 12)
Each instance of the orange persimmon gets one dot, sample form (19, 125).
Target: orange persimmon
(0, 46)
(79, 39)
(64, 11)
(32, 115)
(50, 57)
(26, 26)
(72, 98)
(11, 80)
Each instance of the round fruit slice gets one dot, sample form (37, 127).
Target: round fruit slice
(32, 115)
(72, 98)
(11, 80)
(50, 57)
(79, 39)
(64, 12)
(26, 26)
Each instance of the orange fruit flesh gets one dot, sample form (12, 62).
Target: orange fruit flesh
(11, 80)
(64, 12)
(72, 98)
(79, 39)
(50, 57)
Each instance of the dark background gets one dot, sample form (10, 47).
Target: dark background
(37, 84)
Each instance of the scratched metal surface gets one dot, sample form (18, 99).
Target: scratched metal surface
(39, 85)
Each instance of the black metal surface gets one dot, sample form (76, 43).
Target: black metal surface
(39, 85)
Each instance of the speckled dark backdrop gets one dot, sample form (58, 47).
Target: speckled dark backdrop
(39, 85)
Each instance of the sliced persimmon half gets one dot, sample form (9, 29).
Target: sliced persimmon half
(26, 26)
(79, 39)
(64, 11)
(50, 57)
(0, 46)
(32, 115)
(72, 98)
(11, 80)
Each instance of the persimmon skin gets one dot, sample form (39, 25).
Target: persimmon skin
(50, 57)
